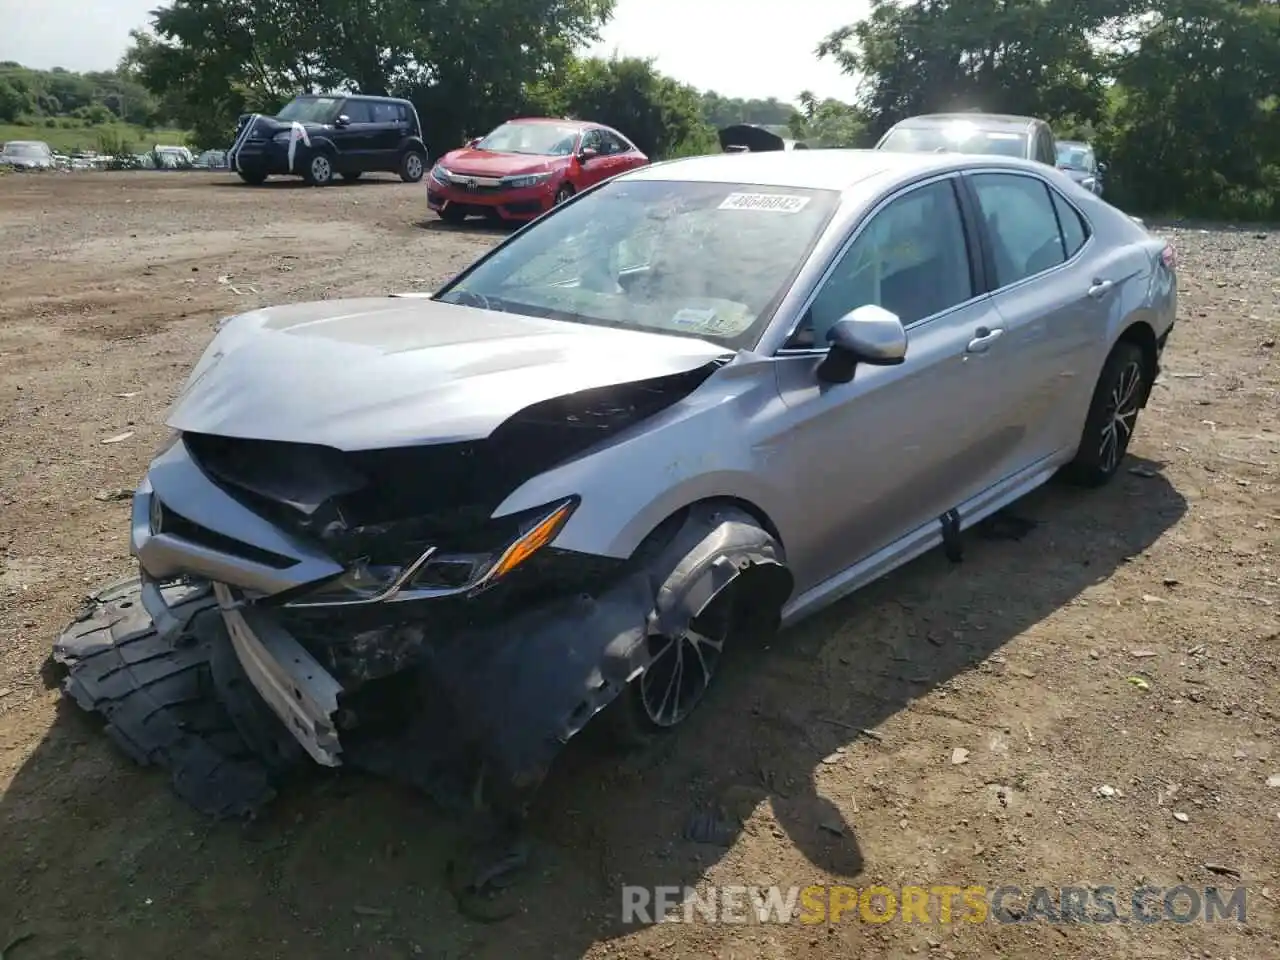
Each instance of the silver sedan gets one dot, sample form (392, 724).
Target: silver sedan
(706, 395)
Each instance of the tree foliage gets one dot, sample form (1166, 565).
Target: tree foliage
(463, 62)
(828, 123)
(1180, 95)
(661, 116)
(40, 96)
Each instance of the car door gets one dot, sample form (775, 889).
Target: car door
(1052, 313)
(596, 168)
(354, 139)
(385, 135)
(616, 153)
(897, 447)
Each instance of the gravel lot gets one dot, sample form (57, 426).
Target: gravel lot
(1022, 655)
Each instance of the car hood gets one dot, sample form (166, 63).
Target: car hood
(373, 373)
(486, 164)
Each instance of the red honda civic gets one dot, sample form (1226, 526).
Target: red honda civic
(525, 167)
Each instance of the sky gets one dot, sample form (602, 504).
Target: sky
(739, 48)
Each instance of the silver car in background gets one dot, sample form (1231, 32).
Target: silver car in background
(709, 395)
(1078, 161)
(998, 134)
(27, 155)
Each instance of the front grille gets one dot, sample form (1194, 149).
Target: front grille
(167, 521)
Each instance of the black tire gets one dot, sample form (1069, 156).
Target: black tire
(453, 214)
(412, 166)
(1113, 415)
(253, 179)
(564, 194)
(351, 177)
(318, 170)
(745, 612)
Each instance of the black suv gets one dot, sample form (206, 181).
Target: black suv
(320, 136)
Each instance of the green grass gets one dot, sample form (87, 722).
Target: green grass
(69, 139)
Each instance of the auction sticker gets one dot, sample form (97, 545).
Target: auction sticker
(773, 202)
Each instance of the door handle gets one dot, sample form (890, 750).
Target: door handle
(1100, 288)
(983, 339)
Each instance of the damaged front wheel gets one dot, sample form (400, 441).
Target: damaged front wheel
(681, 667)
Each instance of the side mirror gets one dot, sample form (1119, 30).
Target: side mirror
(342, 121)
(587, 153)
(868, 334)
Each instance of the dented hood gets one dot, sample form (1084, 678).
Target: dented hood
(371, 373)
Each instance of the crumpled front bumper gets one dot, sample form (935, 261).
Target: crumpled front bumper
(489, 701)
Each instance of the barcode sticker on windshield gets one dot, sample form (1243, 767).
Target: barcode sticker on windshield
(773, 202)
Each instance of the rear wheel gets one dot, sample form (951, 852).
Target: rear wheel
(253, 179)
(1113, 415)
(412, 166)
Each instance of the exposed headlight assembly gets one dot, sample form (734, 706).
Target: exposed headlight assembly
(437, 573)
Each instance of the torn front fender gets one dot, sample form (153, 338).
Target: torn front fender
(511, 696)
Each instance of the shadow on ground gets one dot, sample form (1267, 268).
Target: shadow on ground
(287, 182)
(473, 225)
(102, 860)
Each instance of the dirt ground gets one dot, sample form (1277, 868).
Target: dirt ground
(1022, 655)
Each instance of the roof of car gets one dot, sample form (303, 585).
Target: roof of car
(986, 120)
(557, 121)
(814, 169)
(349, 96)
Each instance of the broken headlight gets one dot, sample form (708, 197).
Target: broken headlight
(439, 573)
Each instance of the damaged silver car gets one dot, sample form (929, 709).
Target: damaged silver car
(434, 536)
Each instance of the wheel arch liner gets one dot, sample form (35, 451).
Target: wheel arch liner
(520, 691)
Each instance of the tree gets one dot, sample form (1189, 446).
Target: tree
(828, 123)
(13, 102)
(661, 116)
(1198, 127)
(463, 62)
(1181, 96)
(1033, 57)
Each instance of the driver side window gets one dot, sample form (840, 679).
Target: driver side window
(910, 258)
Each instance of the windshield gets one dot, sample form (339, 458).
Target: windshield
(309, 109)
(33, 150)
(1075, 157)
(959, 137)
(542, 139)
(706, 260)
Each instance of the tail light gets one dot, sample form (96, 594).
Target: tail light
(1169, 256)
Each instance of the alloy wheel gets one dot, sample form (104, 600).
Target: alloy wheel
(1122, 413)
(682, 667)
(413, 166)
(321, 170)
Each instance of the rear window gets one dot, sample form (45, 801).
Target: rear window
(958, 137)
(706, 260)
